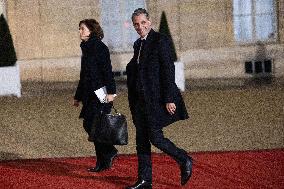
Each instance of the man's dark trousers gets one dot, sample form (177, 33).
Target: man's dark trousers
(147, 134)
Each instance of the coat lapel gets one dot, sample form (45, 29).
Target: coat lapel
(147, 48)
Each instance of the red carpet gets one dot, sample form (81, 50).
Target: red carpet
(228, 170)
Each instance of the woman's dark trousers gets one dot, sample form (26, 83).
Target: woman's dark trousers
(103, 151)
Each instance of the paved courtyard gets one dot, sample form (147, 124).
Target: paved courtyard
(43, 122)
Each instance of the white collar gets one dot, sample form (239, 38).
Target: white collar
(144, 38)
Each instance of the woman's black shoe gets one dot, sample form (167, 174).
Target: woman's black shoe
(141, 184)
(108, 163)
(98, 168)
(103, 164)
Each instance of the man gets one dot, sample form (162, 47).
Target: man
(154, 99)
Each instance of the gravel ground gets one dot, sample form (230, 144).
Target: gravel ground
(42, 123)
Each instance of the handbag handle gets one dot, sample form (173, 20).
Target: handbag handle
(115, 110)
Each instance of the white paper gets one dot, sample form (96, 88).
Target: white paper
(101, 94)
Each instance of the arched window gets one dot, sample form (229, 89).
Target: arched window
(117, 25)
(255, 20)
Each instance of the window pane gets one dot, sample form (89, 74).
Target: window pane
(243, 28)
(130, 33)
(2, 7)
(264, 27)
(242, 7)
(111, 27)
(254, 23)
(264, 6)
(117, 24)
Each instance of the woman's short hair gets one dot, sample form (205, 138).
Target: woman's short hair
(139, 11)
(94, 27)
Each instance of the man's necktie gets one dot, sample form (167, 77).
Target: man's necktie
(140, 49)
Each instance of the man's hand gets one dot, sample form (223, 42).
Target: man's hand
(76, 103)
(171, 108)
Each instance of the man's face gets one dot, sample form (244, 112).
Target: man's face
(142, 25)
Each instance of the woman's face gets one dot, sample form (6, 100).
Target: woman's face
(84, 32)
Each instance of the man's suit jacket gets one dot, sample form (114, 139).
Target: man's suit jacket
(96, 72)
(157, 75)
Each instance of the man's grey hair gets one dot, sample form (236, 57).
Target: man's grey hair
(139, 11)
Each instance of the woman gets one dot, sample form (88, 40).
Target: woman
(96, 72)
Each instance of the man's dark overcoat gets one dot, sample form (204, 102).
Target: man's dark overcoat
(157, 75)
(96, 72)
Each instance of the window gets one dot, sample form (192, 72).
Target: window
(2, 7)
(117, 25)
(254, 20)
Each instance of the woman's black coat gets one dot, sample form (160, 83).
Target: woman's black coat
(157, 76)
(96, 72)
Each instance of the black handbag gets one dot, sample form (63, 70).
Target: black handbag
(112, 129)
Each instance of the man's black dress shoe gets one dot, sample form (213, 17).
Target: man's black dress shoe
(141, 184)
(186, 171)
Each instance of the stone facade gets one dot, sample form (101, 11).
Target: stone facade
(45, 35)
